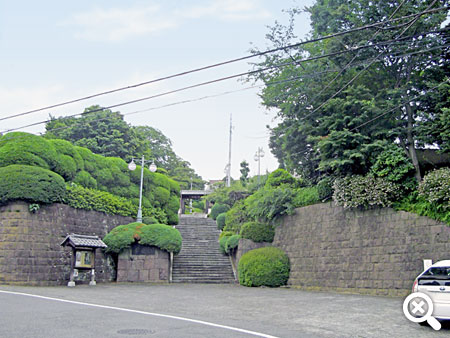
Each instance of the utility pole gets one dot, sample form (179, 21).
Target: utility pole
(229, 155)
(257, 158)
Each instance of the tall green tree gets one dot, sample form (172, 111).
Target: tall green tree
(244, 172)
(338, 112)
(106, 133)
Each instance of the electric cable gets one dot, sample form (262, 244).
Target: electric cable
(257, 54)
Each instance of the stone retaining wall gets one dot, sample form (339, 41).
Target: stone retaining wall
(379, 251)
(30, 251)
(143, 264)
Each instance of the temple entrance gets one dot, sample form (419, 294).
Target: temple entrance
(195, 195)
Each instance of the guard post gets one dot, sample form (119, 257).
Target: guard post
(83, 255)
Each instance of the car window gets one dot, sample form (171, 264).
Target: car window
(436, 276)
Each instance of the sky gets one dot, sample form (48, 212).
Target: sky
(55, 51)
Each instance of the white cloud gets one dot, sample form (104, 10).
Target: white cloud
(229, 10)
(117, 24)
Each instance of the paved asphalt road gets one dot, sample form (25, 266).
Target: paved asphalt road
(142, 310)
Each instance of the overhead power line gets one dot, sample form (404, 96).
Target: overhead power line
(390, 42)
(374, 25)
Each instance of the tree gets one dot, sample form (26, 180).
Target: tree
(336, 112)
(102, 131)
(106, 133)
(244, 172)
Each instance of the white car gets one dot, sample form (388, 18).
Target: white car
(435, 282)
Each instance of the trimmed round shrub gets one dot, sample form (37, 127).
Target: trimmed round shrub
(217, 209)
(435, 188)
(85, 179)
(162, 236)
(267, 266)
(32, 184)
(280, 177)
(220, 220)
(257, 232)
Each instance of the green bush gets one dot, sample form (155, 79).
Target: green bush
(435, 188)
(365, 192)
(231, 243)
(89, 199)
(162, 236)
(149, 220)
(81, 166)
(419, 205)
(228, 242)
(235, 217)
(226, 233)
(279, 178)
(306, 196)
(267, 204)
(394, 166)
(325, 189)
(257, 232)
(223, 241)
(220, 220)
(218, 209)
(267, 266)
(31, 184)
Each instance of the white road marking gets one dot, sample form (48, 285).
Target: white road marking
(226, 327)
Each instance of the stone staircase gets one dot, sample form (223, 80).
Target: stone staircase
(200, 259)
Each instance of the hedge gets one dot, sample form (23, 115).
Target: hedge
(79, 165)
(267, 266)
(89, 199)
(257, 232)
(30, 183)
(365, 192)
(162, 236)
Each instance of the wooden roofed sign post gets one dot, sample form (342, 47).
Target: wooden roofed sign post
(83, 255)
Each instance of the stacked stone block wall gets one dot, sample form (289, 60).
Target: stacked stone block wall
(30, 251)
(143, 268)
(379, 251)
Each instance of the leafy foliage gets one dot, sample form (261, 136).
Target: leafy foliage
(267, 204)
(280, 177)
(334, 111)
(162, 236)
(218, 209)
(306, 196)
(90, 199)
(231, 243)
(30, 183)
(257, 232)
(325, 188)
(267, 266)
(220, 220)
(235, 217)
(365, 192)
(228, 243)
(435, 188)
(393, 165)
(79, 165)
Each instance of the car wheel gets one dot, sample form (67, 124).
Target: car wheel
(425, 323)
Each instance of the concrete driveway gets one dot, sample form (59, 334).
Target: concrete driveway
(199, 310)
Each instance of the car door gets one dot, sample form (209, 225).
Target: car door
(435, 282)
